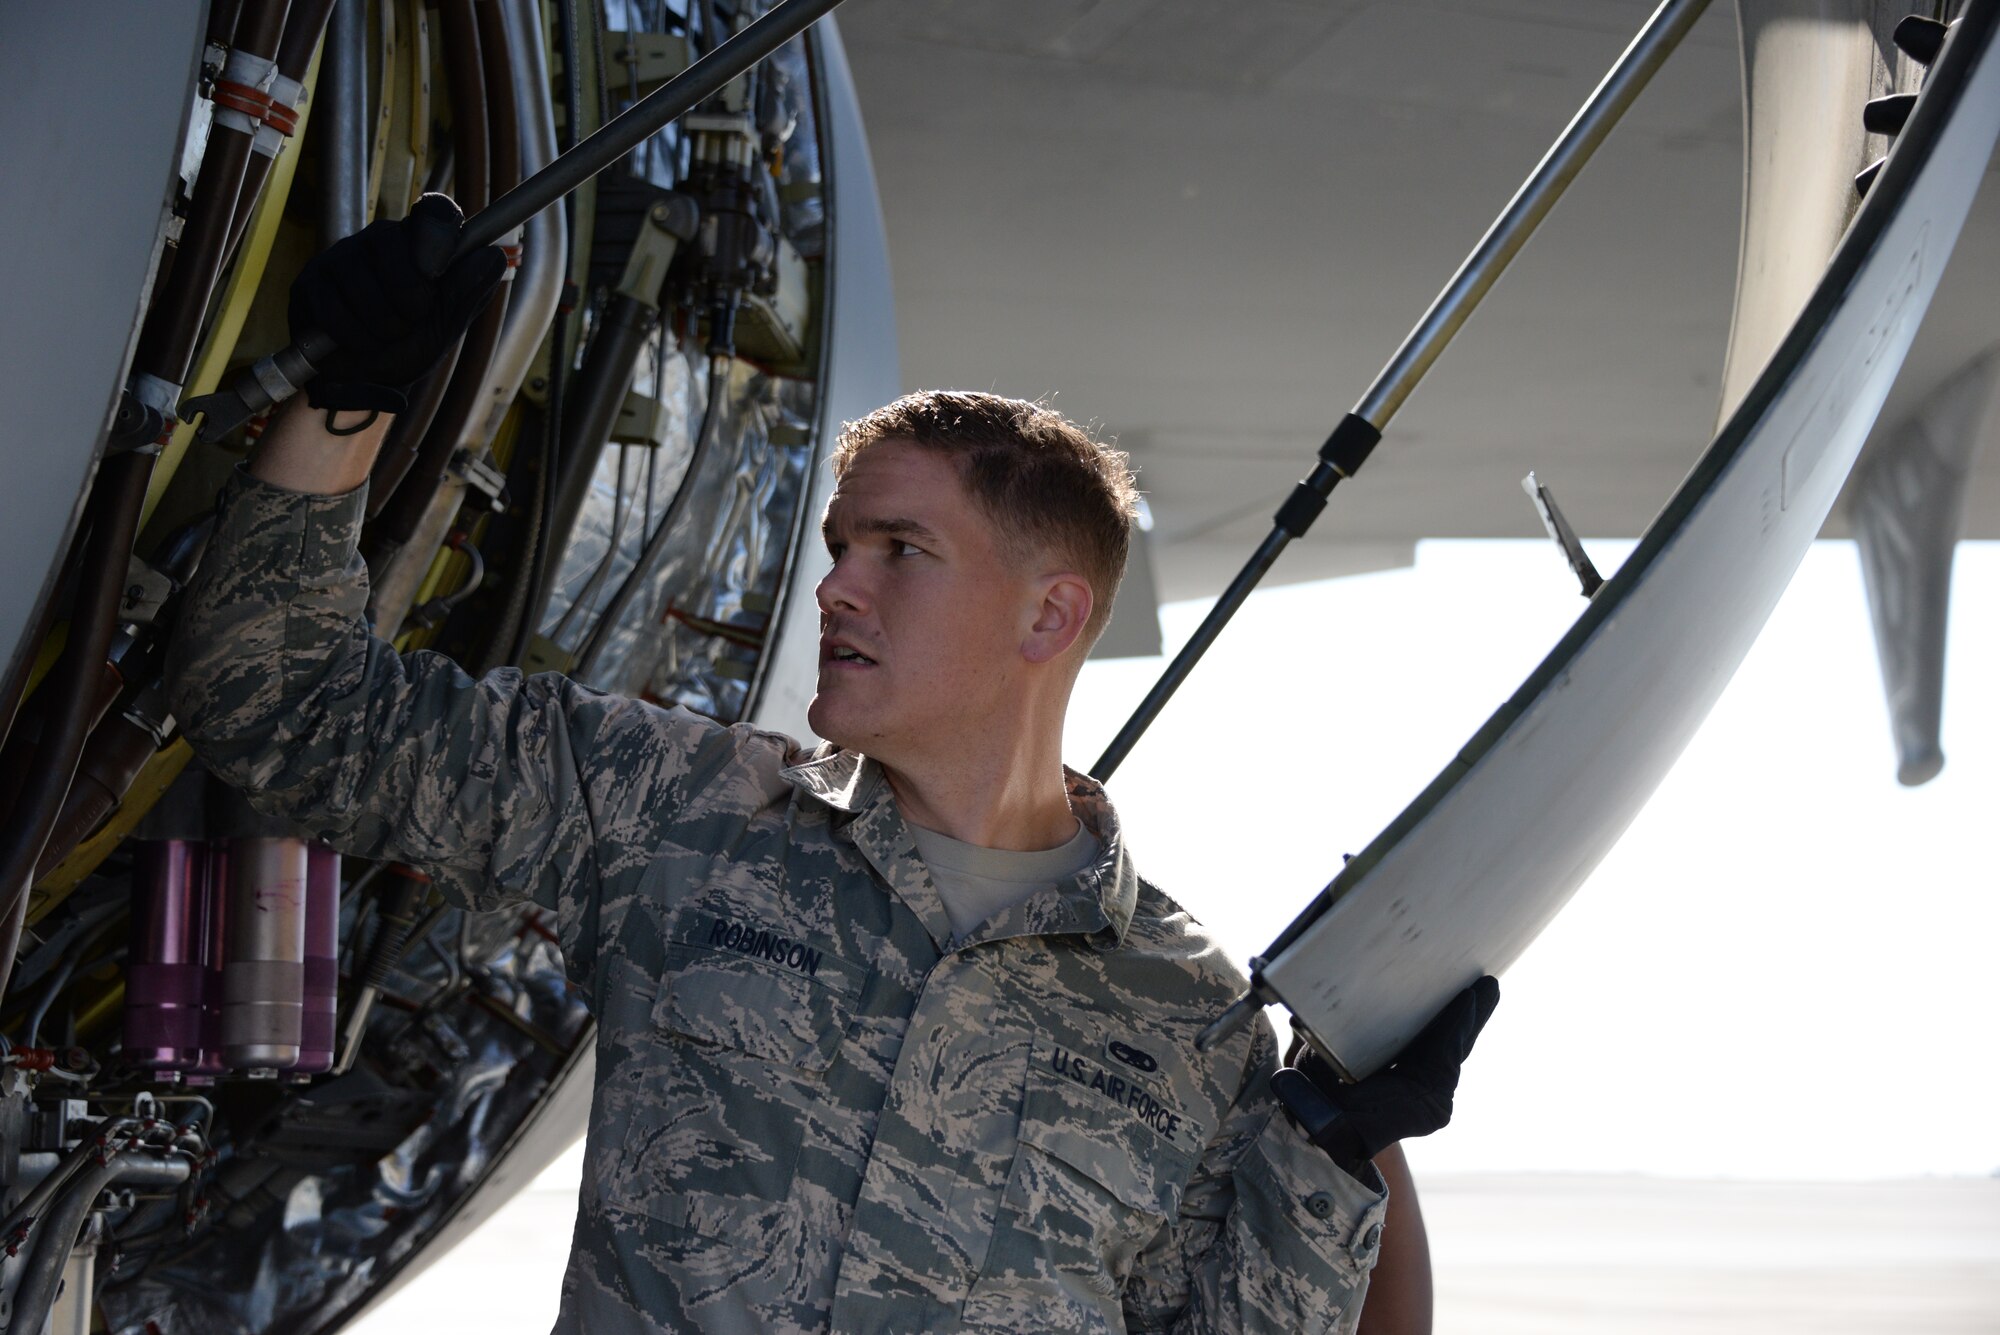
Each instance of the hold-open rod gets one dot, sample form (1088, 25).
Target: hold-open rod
(1351, 441)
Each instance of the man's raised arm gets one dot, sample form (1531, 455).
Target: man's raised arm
(284, 692)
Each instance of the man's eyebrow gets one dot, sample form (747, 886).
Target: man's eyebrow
(886, 526)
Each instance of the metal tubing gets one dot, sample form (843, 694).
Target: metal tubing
(1531, 203)
(343, 164)
(58, 1233)
(644, 118)
(526, 593)
(1433, 333)
(34, 1204)
(56, 1236)
(538, 282)
(1177, 672)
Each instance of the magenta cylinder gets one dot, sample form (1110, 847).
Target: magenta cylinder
(164, 966)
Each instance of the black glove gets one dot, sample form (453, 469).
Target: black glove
(392, 300)
(1411, 1096)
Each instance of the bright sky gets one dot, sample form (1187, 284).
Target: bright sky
(1784, 969)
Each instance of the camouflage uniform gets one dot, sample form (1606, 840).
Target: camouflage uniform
(815, 1110)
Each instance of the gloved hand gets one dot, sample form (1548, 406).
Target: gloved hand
(1411, 1096)
(394, 303)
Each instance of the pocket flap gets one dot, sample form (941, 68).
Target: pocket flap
(729, 1001)
(1116, 1134)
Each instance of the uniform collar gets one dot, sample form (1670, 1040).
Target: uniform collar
(1097, 902)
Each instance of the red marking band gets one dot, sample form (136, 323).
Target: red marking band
(242, 97)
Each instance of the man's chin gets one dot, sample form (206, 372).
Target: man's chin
(850, 726)
(833, 724)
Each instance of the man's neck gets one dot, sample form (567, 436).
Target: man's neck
(1004, 800)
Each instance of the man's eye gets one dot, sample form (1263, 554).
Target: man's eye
(898, 547)
(834, 549)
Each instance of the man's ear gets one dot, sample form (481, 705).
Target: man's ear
(1059, 618)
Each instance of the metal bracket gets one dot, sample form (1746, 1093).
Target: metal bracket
(480, 476)
(1565, 536)
(648, 58)
(146, 592)
(670, 220)
(642, 420)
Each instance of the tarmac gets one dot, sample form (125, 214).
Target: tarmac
(1547, 1254)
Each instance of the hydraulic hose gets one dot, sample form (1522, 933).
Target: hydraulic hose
(173, 324)
(35, 1204)
(465, 82)
(58, 1235)
(402, 520)
(115, 502)
(343, 147)
(304, 23)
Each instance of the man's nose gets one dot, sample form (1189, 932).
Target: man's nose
(840, 591)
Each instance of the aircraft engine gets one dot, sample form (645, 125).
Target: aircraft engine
(247, 1085)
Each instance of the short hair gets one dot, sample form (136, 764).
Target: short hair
(1044, 481)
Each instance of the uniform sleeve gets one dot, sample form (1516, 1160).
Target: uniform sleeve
(283, 692)
(1271, 1239)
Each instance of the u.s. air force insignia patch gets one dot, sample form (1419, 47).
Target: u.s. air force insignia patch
(1120, 1087)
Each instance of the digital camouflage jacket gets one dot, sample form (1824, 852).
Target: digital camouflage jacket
(815, 1110)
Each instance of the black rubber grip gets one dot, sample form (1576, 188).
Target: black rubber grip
(1350, 444)
(1303, 506)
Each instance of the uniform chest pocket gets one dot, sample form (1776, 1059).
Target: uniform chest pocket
(773, 1012)
(1092, 1183)
(721, 1094)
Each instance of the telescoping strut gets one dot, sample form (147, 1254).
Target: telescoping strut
(1355, 437)
(273, 379)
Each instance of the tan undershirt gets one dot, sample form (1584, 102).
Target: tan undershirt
(976, 883)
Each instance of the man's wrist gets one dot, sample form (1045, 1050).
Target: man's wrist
(319, 452)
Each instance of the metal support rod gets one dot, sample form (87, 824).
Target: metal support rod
(276, 378)
(1349, 445)
(344, 151)
(1530, 205)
